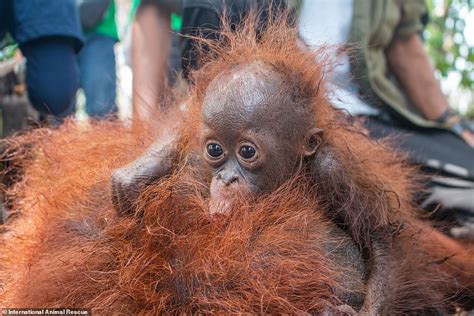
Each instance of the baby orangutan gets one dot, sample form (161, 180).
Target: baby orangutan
(248, 138)
(259, 117)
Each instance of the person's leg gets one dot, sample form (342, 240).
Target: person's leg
(447, 161)
(52, 75)
(200, 22)
(431, 148)
(98, 75)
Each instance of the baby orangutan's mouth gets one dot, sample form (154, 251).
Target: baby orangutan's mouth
(225, 198)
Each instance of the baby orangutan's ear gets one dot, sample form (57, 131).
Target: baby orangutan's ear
(312, 140)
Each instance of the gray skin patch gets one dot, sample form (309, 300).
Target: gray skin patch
(252, 104)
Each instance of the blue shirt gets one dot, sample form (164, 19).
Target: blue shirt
(28, 20)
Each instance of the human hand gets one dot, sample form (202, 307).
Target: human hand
(458, 125)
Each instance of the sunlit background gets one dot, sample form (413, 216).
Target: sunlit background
(449, 39)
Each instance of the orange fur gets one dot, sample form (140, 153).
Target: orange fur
(67, 247)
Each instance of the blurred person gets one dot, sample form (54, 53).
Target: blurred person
(49, 36)
(391, 70)
(97, 62)
(151, 40)
(386, 78)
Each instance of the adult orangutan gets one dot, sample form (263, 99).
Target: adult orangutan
(263, 119)
(257, 197)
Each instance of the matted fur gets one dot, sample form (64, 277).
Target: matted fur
(67, 247)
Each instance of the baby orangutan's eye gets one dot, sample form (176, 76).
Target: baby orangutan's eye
(247, 152)
(214, 150)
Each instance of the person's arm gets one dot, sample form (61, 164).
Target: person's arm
(151, 37)
(411, 65)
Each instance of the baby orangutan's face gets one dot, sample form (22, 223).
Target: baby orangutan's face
(254, 135)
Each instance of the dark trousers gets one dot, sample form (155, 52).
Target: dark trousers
(98, 75)
(435, 149)
(52, 75)
(49, 35)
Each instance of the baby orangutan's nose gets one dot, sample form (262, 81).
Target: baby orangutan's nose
(229, 179)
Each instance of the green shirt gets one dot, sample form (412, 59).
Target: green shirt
(108, 25)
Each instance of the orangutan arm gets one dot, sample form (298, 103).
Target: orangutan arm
(451, 256)
(386, 237)
(128, 182)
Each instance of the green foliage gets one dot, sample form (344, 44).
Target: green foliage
(470, 112)
(448, 44)
(7, 47)
(446, 39)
